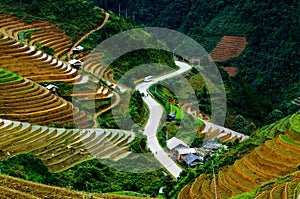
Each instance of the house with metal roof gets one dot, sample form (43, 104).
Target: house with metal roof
(52, 88)
(174, 143)
(75, 63)
(212, 145)
(192, 160)
(78, 49)
(182, 152)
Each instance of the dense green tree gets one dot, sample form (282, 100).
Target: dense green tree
(268, 75)
(197, 141)
(239, 124)
(274, 116)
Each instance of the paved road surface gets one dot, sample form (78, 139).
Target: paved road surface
(156, 112)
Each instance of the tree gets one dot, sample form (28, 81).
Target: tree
(48, 50)
(275, 115)
(239, 123)
(198, 141)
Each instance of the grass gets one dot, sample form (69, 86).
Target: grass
(9, 77)
(178, 112)
(18, 78)
(22, 34)
(201, 123)
(146, 114)
(286, 139)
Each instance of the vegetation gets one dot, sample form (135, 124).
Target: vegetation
(137, 108)
(261, 93)
(25, 36)
(286, 139)
(90, 176)
(46, 49)
(73, 16)
(260, 86)
(236, 151)
(271, 152)
(142, 57)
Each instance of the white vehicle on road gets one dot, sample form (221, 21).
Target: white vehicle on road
(148, 79)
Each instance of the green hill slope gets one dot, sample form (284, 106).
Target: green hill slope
(268, 66)
(275, 158)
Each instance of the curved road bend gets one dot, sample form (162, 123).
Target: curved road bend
(156, 112)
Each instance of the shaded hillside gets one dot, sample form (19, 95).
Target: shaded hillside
(270, 28)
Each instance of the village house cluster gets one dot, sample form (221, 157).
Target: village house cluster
(181, 152)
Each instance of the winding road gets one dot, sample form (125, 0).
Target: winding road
(156, 111)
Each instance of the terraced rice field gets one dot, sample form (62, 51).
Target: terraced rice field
(15, 188)
(29, 62)
(296, 101)
(23, 100)
(231, 71)
(61, 149)
(92, 92)
(191, 109)
(45, 33)
(93, 65)
(288, 187)
(274, 159)
(211, 130)
(228, 47)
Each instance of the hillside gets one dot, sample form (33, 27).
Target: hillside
(24, 100)
(273, 159)
(61, 149)
(284, 187)
(30, 62)
(46, 135)
(64, 141)
(270, 29)
(16, 188)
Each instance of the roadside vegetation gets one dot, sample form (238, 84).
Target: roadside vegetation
(178, 122)
(268, 76)
(263, 137)
(258, 97)
(89, 176)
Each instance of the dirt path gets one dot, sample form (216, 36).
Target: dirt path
(116, 102)
(87, 34)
